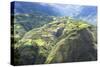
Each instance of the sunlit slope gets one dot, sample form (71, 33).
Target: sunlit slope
(61, 40)
(23, 23)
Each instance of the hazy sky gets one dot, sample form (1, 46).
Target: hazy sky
(87, 13)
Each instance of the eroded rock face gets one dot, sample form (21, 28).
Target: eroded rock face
(76, 47)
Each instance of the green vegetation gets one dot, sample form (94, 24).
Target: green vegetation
(40, 42)
(40, 39)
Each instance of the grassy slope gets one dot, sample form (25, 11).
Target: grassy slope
(58, 41)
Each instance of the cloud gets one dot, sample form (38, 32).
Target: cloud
(69, 10)
(90, 18)
(86, 13)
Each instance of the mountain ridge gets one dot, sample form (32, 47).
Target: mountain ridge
(62, 34)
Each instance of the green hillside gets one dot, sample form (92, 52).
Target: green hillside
(41, 39)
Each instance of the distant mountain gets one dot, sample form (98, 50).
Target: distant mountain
(33, 20)
(86, 13)
(29, 7)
